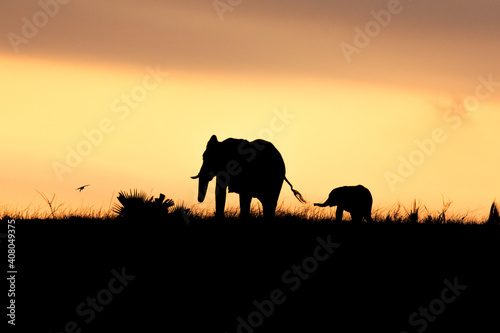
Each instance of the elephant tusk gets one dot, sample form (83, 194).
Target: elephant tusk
(195, 177)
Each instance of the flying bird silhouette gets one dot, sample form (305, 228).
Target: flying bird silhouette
(82, 187)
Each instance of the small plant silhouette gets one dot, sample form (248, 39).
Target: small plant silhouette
(137, 204)
(53, 206)
(442, 214)
(494, 217)
(394, 214)
(413, 212)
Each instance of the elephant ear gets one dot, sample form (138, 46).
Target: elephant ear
(213, 140)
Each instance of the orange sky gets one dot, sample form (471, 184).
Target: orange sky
(413, 113)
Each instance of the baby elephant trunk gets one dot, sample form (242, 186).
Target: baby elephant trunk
(324, 204)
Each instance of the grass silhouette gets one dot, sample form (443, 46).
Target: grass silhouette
(136, 204)
(494, 216)
(189, 265)
(52, 209)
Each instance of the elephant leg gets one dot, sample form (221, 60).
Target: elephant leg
(356, 217)
(339, 213)
(245, 201)
(270, 200)
(269, 208)
(220, 200)
(368, 212)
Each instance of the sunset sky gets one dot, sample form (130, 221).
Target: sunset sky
(400, 96)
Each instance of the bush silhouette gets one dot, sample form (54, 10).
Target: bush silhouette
(494, 217)
(137, 204)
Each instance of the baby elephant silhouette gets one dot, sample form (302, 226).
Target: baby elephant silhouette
(357, 200)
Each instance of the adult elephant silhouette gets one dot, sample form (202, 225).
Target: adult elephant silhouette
(252, 169)
(357, 200)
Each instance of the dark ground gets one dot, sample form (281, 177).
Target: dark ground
(205, 277)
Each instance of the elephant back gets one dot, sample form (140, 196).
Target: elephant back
(260, 165)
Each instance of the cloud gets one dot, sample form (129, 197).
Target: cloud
(428, 40)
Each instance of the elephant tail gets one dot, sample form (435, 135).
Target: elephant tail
(296, 193)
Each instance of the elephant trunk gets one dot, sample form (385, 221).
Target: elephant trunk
(202, 187)
(328, 203)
